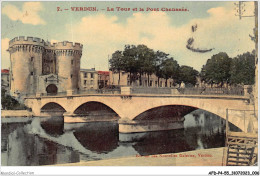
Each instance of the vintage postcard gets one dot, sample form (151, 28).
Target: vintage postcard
(129, 83)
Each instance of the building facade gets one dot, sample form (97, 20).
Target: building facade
(152, 81)
(5, 79)
(103, 79)
(40, 67)
(88, 79)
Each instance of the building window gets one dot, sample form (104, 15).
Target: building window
(165, 83)
(92, 75)
(151, 83)
(160, 83)
(31, 73)
(31, 59)
(71, 76)
(71, 62)
(85, 75)
(85, 82)
(155, 83)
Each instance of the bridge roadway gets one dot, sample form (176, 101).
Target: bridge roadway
(129, 106)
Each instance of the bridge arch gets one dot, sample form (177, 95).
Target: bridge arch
(165, 112)
(235, 119)
(96, 108)
(52, 108)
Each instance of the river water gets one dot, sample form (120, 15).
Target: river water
(47, 141)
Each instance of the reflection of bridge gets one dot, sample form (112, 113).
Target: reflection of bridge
(130, 106)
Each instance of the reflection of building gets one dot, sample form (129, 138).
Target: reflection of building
(153, 80)
(103, 79)
(39, 67)
(89, 79)
(5, 79)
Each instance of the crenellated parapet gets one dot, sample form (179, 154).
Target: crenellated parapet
(65, 45)
(26, 48)
(67, 52)
(26, 40)
(37, 45)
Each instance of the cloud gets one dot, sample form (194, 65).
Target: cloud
(102, 35)
(28, 14)
(5, 57)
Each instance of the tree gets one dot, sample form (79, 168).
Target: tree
(146, 61)
(170, 69)
(160, 57)
(131, 63)
(243, 69)
(117, 63)
(217, 69)
(9, 102)
(188, 75)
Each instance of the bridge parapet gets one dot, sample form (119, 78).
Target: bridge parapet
(241, 92)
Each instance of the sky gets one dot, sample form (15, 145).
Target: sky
(103, 32)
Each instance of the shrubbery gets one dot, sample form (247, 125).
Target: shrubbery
(9, 103)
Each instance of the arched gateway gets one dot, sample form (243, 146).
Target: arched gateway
(52, 89)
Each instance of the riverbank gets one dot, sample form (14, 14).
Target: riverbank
(16, 116)
(16, 113)
(203, 157)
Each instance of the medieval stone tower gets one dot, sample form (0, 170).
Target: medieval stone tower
(40, 67)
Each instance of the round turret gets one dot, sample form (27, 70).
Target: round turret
(26, 63)
(68, 62)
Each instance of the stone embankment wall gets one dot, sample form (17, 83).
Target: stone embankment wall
(16, 113)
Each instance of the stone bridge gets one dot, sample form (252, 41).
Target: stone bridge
(129, 107)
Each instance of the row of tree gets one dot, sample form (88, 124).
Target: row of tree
(139, 60)
(219, 69)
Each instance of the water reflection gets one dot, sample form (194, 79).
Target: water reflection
(162, 142)
(25, 149)
(45, 142)
(53, 126)
(96, 140)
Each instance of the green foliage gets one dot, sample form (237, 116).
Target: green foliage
(217, 69)
(188, 75)
(222, 69)
(9, 103)
(243, 69)
(170, 68)
(117, 63)
(139, 60)
(160, 57)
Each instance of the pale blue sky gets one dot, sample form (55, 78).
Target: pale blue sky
(103, 32)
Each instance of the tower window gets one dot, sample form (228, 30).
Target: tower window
(71, 62)
(71, 76)
(31, 73)
(31, 59)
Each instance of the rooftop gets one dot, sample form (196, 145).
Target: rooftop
(4, 71)
(88, 70)
(103, 72)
